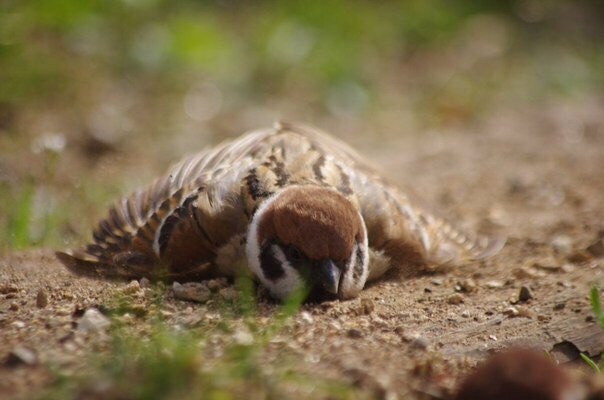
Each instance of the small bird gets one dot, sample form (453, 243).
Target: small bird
(290, 204)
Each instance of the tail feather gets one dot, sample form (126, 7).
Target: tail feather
(129, 265)
(487, 246)
(83, 264)
(451, 245)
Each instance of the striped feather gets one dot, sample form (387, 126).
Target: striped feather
(182, 218)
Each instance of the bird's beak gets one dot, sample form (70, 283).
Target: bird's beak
(329, 276)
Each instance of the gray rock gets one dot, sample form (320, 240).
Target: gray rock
(228, 293)
(217, 284)
(243, 337)
(21, 356)
(93, 321)
(525, 294)
(9, 288)
(144, 283)
(562, 244)
(455, 299)
(467, 285)
(191, 291)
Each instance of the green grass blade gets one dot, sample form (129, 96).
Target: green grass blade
(596, 305)
(19, 221)
(590, 362)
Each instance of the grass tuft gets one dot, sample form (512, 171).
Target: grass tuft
(596, 307)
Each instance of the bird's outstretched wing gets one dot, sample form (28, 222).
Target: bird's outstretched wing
(174, 227)
(398, 223)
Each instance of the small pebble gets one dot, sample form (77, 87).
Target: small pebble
(64, 311)
(414, 339)
(145, 283)
(455, 299)
(511, 312)
(216, 284)
(524, 312)
(335, 325)
(547, 264)
(525, 294)
(562, 244)
(228, 293)
(367, 306)
(20, 356)
(6, 289)
(494, 284)
(559, 306)
(354, 333)
(243, 337)
(192, 291)
(18, 324)
(467, 285)
(13, 306)
(420, 342)
(568, 268)
(306, 317)
(93, 321)
(132, 288)
(41, 299)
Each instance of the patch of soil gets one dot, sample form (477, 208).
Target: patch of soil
(530, 174)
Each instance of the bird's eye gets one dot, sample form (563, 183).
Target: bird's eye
(294, 254)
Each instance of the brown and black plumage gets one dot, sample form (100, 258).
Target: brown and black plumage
(292, 203)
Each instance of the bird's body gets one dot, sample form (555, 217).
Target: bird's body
(288, 202)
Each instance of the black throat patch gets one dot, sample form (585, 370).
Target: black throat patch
(270, 264)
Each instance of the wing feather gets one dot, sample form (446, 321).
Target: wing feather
(399, 223)
(183, 216)
(168, 222)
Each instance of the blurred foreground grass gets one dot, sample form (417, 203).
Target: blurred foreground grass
(230, 353)
(96, 97)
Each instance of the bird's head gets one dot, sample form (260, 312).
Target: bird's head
(312, 237)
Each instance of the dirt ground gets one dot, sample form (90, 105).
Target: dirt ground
(535, 175)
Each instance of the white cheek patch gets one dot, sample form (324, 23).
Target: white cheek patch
(291, 280)
(252, 247)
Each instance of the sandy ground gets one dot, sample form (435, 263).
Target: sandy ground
(536, 175)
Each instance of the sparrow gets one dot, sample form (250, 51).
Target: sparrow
(292, 205)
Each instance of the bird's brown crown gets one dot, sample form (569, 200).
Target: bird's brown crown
(318, 221)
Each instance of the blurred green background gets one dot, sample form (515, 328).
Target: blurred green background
(97, 97)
